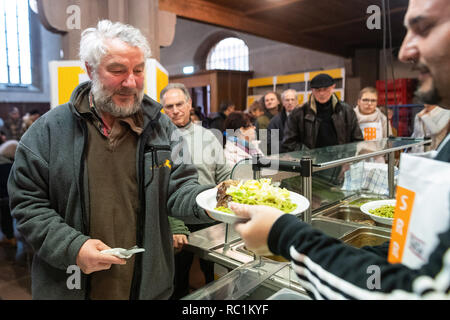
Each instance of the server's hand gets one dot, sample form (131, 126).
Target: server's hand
(255, 231)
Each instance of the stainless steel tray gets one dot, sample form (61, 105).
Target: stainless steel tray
(353, 215)
(366, 237)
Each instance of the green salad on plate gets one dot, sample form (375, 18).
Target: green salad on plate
(259, 192)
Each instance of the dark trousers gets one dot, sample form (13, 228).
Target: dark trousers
(6, 221)
(183, 263)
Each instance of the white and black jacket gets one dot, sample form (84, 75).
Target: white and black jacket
(330, 269)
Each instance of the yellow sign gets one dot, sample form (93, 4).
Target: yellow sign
(68, 78)
(334, 73)
(66, 75)
(291, 78)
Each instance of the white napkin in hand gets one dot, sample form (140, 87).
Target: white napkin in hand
(123, 253)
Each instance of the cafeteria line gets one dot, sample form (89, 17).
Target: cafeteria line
(160, 155)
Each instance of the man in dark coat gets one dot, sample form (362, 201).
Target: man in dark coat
(323, 121)
(217, 120)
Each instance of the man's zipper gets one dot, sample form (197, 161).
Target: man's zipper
(140, 222)
(84, 217)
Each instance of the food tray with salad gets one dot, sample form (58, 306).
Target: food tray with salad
(252, 192)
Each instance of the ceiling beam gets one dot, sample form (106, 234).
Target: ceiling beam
(270, 6)
(208, 12)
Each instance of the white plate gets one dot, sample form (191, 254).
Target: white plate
(376, 204)
(207, 200)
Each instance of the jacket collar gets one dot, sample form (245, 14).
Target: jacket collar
(313, 103)
(150, 108)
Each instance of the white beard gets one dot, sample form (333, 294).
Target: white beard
(104, 102)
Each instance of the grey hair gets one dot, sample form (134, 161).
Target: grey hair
(283, 94)
(92, 43)
(8, 149)
(171, 86)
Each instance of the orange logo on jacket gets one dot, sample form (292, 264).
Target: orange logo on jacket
(166, 164)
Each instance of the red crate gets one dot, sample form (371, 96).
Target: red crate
(402, 98)
(400, 84)
(402, 130)
(403, 93)
(399, 95)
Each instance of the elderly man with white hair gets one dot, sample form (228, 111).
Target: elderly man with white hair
(97, 173)
(277, 123)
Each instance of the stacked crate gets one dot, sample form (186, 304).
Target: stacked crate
(402, 93)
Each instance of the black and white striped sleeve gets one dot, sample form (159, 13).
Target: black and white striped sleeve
(330, 269)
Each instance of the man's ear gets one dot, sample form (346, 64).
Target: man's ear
(88, 69)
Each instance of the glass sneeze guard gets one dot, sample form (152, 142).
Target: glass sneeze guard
(328, 157)
(324, 191)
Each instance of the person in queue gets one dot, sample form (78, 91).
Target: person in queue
(98, 173)
(271, 102)
(256, 110)
(241, 140)
(373, 123)
(323, 121)
(217, 120)
(197, 116)
(330, 269)
(206, 153)
(432, 122)
(12, 126)
(278, 122)
(29, 119)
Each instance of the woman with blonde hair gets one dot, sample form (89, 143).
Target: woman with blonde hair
(372, 121)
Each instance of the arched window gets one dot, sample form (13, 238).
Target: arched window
(228, 54)
(15, 57)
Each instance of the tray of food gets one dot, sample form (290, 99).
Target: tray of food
(252, 192)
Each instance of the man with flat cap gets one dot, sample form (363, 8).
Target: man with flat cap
(322, 121)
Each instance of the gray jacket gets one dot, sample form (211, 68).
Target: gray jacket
(49, 197)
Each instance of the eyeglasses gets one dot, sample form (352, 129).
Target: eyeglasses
(369, 100)
(171, 107)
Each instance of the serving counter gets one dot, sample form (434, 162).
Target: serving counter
(336, 180)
